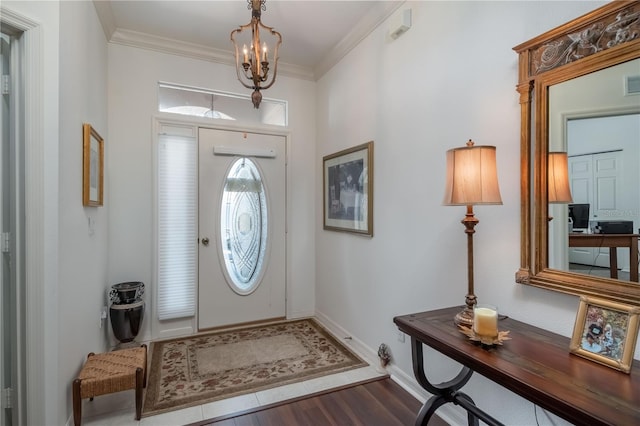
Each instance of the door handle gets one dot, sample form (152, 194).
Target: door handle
(205, 241)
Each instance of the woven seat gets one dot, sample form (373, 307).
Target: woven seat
(108, 373)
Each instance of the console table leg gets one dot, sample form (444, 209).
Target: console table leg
(472, 420)
(445, 388)
(445, 392)
(473, 412)
(429, 408)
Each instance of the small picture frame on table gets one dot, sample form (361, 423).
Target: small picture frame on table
(92, 167)
(606, 332)
(348, 190)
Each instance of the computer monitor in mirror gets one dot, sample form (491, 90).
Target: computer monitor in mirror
(579, 216)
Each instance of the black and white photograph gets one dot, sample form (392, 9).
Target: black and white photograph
(348, 194)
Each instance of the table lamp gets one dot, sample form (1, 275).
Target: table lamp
(559, 191)
(472, 179)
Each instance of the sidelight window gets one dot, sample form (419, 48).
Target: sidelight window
(177, 231)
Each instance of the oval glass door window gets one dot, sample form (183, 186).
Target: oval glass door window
(243, 226)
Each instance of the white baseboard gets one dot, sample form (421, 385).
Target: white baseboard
(175, 332)
(300, 314)
(409, 384)
(356, 345)
(449, 412)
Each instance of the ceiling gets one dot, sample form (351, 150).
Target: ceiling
(315, 34)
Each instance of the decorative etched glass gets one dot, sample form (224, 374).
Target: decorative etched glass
(243, 226)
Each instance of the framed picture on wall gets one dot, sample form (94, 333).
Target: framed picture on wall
(348, 190)
(606, 332)
(93, 167)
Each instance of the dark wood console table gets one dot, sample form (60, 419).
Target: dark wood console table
(535, 364)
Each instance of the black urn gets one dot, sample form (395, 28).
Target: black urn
(126, 310)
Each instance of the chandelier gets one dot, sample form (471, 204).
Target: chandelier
(252, 59)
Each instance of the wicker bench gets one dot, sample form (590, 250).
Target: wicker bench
(108, 373)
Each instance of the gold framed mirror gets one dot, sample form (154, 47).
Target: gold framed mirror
(576, 54)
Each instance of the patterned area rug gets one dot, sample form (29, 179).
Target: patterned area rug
(207, 367)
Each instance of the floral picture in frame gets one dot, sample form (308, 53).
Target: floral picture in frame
(92, 167)
(606, 332)
(348, 190)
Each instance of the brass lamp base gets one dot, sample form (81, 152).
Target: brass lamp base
(464, 318)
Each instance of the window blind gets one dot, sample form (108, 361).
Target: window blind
(177, 227)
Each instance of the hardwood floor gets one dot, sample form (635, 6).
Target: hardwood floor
(379, 402)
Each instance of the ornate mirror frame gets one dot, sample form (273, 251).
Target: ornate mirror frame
(607, 36)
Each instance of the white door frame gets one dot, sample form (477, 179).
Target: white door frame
(38, 381)
(2, 261)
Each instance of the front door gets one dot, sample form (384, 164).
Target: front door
(241, 255)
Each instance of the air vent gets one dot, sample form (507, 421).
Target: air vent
(633, 85)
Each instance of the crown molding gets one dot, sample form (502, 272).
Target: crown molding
(105, 15)
(195, 51)
(369, 22)
(365, 26)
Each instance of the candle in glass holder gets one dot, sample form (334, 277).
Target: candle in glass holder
(485, 321)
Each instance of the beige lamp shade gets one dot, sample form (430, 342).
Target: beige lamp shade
(472, 176)
(558, 178)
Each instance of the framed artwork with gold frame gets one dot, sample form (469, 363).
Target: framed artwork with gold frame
(606, 332)
(92, 167)
(348, 190)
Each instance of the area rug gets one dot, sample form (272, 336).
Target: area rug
(207, 367)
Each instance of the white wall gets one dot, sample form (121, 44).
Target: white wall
(133, 80)
(82, 249)
(73, 61)
(592, 95)
(451, 77)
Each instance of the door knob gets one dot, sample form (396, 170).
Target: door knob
(205, 241)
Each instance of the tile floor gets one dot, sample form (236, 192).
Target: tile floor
(119, 409)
